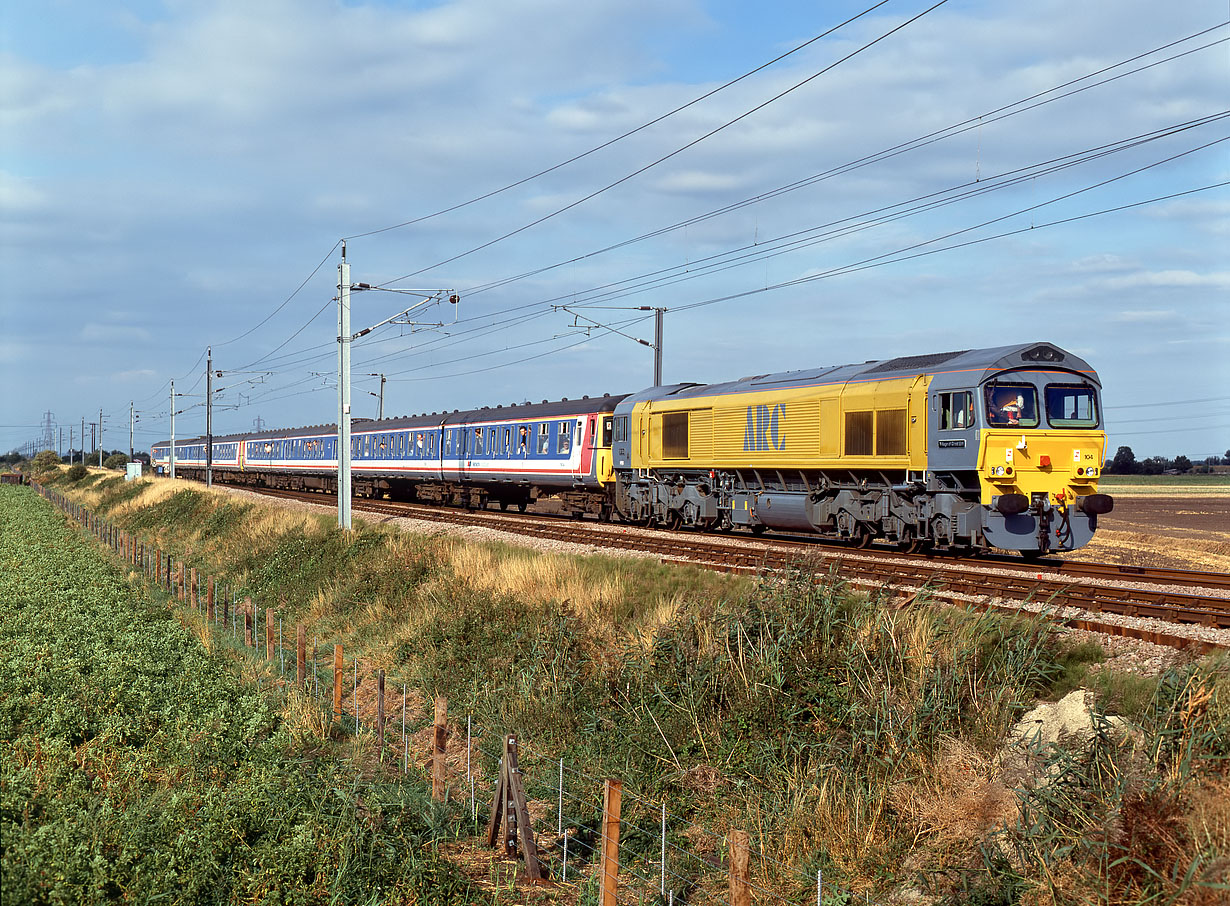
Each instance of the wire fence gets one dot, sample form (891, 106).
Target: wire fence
(645, 855)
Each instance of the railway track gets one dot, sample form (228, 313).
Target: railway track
(986, 583)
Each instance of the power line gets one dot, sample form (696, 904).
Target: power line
(619, 138)
(982, 119)
(1207, 399)
(880, 156)
(672, 154)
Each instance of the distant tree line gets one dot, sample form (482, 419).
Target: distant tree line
(1126, 463)
(111, 459)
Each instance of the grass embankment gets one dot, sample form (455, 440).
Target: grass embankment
(137, 767)
(842, 732)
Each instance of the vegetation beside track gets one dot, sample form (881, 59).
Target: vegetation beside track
(138, 767)
(846, 733)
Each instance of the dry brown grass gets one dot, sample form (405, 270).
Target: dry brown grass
(533, 576)
(954, 800)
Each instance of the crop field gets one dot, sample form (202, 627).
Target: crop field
(848, 735)
(138, 768)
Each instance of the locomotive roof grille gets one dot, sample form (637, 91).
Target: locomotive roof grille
(916, 362)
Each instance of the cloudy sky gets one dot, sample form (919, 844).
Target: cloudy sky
(179, 174)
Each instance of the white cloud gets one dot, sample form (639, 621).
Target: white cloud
(1169, 279)
(113, 334)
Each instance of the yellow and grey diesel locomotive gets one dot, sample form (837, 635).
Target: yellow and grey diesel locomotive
(976, 449)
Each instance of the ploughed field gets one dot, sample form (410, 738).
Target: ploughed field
(1164, 522)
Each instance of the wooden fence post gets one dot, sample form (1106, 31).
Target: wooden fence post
(337, 683)
(740, 886)
(508, 806)
(301, 655)
(380, 716)
(611, 795)
(269, 633)
(439, 774)
(248, 612)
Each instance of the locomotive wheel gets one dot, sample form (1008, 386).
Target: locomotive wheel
(863, 538)
(910, 546)
(504, 506)
(522, 506)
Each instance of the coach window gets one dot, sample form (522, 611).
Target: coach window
(563, 440)
(544, 438)
(607, 425)
(507, 441)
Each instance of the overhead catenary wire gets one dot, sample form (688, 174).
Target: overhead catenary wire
(981, 118)
(492, 352)
(696, 271)
(666, 157)
(956, 129)
(642, 127)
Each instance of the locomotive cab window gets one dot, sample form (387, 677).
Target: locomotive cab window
(1012, 405)
(620, 429)
(607, 430)
(956, 410)
(1071, 406)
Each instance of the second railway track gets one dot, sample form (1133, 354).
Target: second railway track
(1051, 585)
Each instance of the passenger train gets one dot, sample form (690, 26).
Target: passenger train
(966, 450)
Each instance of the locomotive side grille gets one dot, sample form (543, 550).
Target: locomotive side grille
(859, 431)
